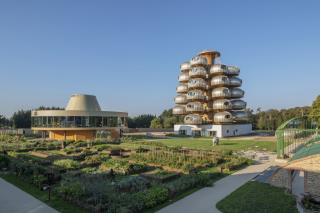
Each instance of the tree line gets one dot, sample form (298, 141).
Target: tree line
(261, 120)
(21, 118)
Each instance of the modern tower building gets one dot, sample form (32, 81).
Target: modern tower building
(81, 120)
(209, 98)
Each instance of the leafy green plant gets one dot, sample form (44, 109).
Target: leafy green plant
(92, 160)
(123, 166)
(70, 190)
(132, 184)
(67, 164)
(187, 182)
(4, 161)
(155, 195)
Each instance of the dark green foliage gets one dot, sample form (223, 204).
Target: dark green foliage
(155, 195)
(156, 123)
(4, 122)
(141, 121)
(187, 182)
(132, 184)
(22, 119)
(4, 161)
(93, 160)
(315, 110)
(67, 164)
(311, 203)
(273, 118)
(122, 166)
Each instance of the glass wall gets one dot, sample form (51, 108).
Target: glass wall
(78, 121)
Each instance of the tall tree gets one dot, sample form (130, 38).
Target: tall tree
(156, 123)
(140, 121)
(315, 110)
(4, 122)
(21, 119)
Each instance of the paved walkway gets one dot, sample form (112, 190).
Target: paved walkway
(204, 200)
(14, 200)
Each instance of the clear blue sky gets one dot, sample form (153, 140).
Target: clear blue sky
(127, 53)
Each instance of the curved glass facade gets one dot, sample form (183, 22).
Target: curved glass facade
(78, 121)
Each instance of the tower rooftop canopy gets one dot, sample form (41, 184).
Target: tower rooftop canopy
(83, 102)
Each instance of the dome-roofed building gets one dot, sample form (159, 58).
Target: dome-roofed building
(81, 120)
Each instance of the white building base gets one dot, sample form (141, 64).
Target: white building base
(221, 131)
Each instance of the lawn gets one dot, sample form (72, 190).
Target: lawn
(255, 197)
(225, 144)
(55, 202)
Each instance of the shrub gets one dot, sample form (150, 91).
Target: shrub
(103, 147)
(71, 190)
(141, 150)
(132, 184)
(4, 161)
(126, 139)
(67, 164)
(187, 182)
(236, 163)
(89, 170)
(155, 195)
(123, 166)
(92, 160)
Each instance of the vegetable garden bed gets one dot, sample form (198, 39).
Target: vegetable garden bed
(138, 179)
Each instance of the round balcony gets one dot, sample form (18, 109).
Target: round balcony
(237, 93)
(221, 80)
(198, 61)
(185, 66)
(240, 116)
(196, 95)
(238, 104)
(223, 117)
(222, 104)
(197, 83)
(194, 107)
(235, 82)
(193, 119)
(219, 69)
(179, 110)
(225, 104)
(182, 88)
(180, 99)
(221, 92)
(233, 70)
(196, 72)
(184, 77)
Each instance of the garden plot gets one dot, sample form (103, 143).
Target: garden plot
(102, 177)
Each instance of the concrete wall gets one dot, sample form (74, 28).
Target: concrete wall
(183, 127)
(234, 130)
(312, 183)
(281, 178)
(220, 130)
